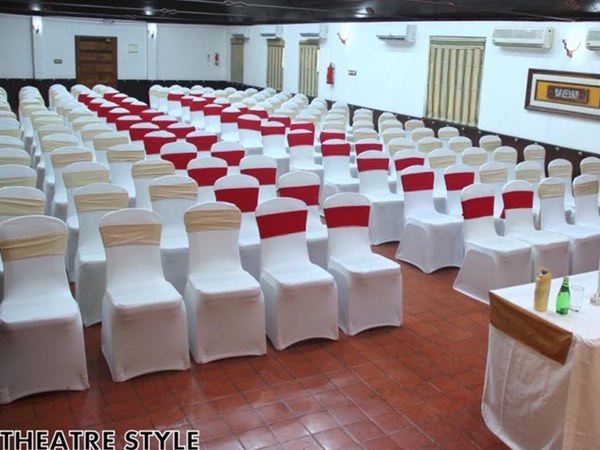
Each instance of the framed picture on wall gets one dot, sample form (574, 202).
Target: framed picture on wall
(570, 93)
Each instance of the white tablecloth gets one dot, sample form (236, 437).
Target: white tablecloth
(533, 402)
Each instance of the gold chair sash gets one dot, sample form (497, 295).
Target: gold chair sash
(64, 159)
(14, 132)
(533, 176)
(363, 134)
(560, 171)
(31, 247)
(213, 220)
(88, 135)
(49, 145)
(535, 154)
(17, 181)
(81, 122)
(132, 156)
(491, 145)
(152, 170)
(427, 147)
(168, 191)
(474, 159)
(53, 129)
(18, 160)
(440, 162)
(591, 168)
(506, 157)
(20, 206)
(75, 179)
(102, 143)
(491, 176)
(100, 202)
(20, 145)
(589, 188)
(130, 234)
(551, 190)
(387, 137)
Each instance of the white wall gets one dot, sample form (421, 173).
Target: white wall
(15, 47)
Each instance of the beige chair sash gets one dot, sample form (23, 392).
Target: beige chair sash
(387, 137)
(364, 134)
(491, 145)
(49, 145)
(74, 179)
(168, 191)
(535, 154)
(74, 114)
(591, 168)
(17, 181)
(427, 147)
(131, 156)
(14, 132)
(506, 157)
(159, 169)
(19, 160)
(551, 190)
(64, 159)
(81, 122)
(213, 220)
(560, 171)
(130, 234)
(474, 159)
(56, 129)
(100, 202)
(43, 121)
(533, 176)
(20, 145)
(34, 246)
(440, 162)
(101, 143)
(589, 188)
(21, 206)
(88, 135)
(492, 176)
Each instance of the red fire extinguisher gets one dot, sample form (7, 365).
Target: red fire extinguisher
(330, 73)
(216, 59)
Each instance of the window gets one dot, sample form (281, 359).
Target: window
(454, 84)
(237, 60)
(275, 63)
(308, 79)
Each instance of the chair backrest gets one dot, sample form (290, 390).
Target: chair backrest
(229, 126)
(367, 144)
(104, 141)
(206, 171)
(385, 116)
(61, 158)
(249, 130)
(11, 142)
(585, 192)
(517, 197)
(264, 169)
(16, 201)
(563, 169)
(439, 160)
(81, 174)
(202, 140)
(474, 157)
(373, 168)
(212, 117)
(180, 153)
(213, 230)
(92, 202)
(398, 145)
(536, 152)
(180, 130)
(447, 132)
(490, 142)
(392, 133)
(143, 173)
(33, 246)
(507, 156)
(458, 143)
(417, 184)
(347, 219)
(241, 190)
(591, 166)
(477, 202)
(494, 174)
(327, 135)
(456, 178)
(131, 238)
(231, 152)
(364, 133)
(52, 142)
(171, 195)
(137, 131)
(12, 155)
(273, 138)
(282, 230)
(412, 124)
(90, 131)
(551, 193)
(154, 140)
(17, 175)
(336, 159)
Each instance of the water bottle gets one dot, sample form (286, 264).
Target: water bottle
(563, 299)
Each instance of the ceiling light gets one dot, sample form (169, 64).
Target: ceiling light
(148, 11)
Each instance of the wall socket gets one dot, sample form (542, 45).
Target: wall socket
(352, 73)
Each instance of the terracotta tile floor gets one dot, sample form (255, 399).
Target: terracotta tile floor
(414, 387)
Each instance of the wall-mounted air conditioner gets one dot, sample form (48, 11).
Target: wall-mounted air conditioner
(593, 39)
(240, 33)
(314, 31)
(523, 37)
(401, 34)
(271, 32)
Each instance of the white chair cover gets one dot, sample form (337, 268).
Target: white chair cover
(224, 304)
(41, 335)
(264, 169)
(456, 177)
(293, 287)
(302, 152)
(585, 191)
(143, 173)
(249, 133)
(206, 170)
(369, 285)
(336, 168)
(180, 153)
(231, 152)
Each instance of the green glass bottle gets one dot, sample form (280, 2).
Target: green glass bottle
(563, 299)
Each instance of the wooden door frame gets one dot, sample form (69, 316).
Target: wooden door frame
(113, 40)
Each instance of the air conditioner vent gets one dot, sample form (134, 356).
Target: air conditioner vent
(523, 37)
(593, 39)
(403, 34)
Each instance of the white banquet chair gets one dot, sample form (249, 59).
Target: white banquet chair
(143, 173)
(121, 159)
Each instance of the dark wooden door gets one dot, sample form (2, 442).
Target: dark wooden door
(96, 60)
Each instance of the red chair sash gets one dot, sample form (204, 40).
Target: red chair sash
(206, 176)
(231, 157)
(347, 216)
(137, 134)
(264, 175)
(174, 96)
(179, 160)
(341, 149)
(198, 104)
(328, 135)
(186, 101)
(246, 199)
(212, 110)
(271, 130)
(181, 131)
(109, 95)
(403, 163)
(153, 144)
(308, 194)
(95, 104)
(112, 117)
(517, 199)
(249, 124)
(126, 124)
(149, 114)
(104, 110)
(458, 181)
(210, 99)
(263, 114)
(281, 224)
(83, 98)
(295, 139)
(137, 108)
(243, 109)
(202, 143)
(163, 124)
(281, 119)
(478, 207)
(362, 147)
(229, 116)
(303, 126)
(417, 182)
(364, 165)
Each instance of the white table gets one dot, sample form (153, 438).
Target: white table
(531, 401)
